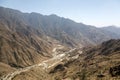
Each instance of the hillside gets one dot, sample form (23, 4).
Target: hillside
(64, 30)
(92, 64)
(30, 41)
(101, 62)
(20, 44)
(112, 29)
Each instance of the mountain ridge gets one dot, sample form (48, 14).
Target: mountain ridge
(33, 29)
(113, 29)
(29, 38)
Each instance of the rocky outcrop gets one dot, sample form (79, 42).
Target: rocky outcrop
(115, 71)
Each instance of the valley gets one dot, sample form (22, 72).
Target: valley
(45, 65)
(49, 47)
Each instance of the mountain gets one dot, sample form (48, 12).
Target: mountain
(56, 27)
(27, 39)
(101, 62)
(112, 29)
(109, 47)
(27, 35)
(104, 59)
(20, 45)
(64, 30)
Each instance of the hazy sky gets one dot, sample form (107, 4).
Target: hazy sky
(91, 12)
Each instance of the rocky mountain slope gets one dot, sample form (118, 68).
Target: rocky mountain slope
(101, 62)
(62, 29)
(102, 59)
(21, 45)
(27, 39)
(112, 29)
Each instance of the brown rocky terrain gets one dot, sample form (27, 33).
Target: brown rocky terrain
(101, 62)
(40, 47)
(21, 48)
(92, 64)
